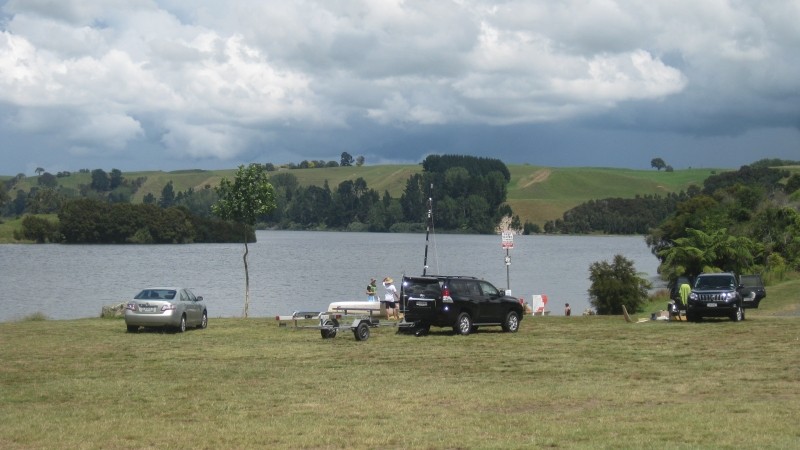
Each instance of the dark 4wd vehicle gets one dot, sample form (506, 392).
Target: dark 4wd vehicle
(463, 303)
(715, 295)
(752, 290)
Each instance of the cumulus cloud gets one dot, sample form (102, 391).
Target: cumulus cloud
(211, 80)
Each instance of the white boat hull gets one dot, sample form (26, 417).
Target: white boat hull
(375, 309)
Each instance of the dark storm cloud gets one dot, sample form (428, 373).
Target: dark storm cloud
(170, 84)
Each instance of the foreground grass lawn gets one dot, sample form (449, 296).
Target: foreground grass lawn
(567, 382)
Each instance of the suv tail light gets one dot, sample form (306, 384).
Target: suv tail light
(446, 292)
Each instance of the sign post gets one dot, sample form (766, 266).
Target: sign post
(507, 242)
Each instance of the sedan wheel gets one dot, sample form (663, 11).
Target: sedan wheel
(204, 321)
(133, 328)
(182, 326)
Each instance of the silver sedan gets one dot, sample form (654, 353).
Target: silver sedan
(174, 307)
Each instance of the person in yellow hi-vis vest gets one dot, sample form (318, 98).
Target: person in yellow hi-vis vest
(684, 292)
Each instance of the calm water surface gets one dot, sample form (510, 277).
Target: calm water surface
(298, 270)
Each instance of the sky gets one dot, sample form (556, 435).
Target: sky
(212, 84)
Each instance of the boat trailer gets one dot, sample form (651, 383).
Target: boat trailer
(357, 320)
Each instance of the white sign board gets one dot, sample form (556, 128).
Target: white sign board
(507, 239)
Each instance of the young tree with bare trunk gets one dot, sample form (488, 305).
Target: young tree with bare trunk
(243, 200)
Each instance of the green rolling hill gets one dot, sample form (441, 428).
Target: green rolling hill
(536, 193)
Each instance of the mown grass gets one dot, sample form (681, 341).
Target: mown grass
(564, 382)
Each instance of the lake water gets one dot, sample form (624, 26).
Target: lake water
(298, 270)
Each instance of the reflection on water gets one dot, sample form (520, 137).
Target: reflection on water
(294, 270)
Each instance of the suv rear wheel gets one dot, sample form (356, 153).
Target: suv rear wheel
(463, 324)
(511, 324)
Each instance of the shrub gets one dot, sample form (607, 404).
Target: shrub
(616, 284)
(38, 229)
(35, 317)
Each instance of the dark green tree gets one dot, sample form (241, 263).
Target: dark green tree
(198, 202)
(3, 196)
(309, 206)
(615, 284)
(709, 251)
(414, 199)
(100, 181)
(19, 203)
(115, 179)
(167, 196)
(44, 201)
(346, 160)
(658, 163)
(149, 199)
(792, 184)
(48, 180)
(243, 200)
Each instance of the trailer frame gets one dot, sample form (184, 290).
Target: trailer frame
(357, 320)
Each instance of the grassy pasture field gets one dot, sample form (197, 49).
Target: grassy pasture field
(540, 194)
(560, 382)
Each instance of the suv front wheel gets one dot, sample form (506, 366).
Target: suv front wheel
(511, 324)
(738, 315)
(463, 324)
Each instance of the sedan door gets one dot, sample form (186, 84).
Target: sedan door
(197, 307)
(189, 306)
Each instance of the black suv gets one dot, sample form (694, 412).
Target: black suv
(463, 303)
(749, 285)
(715, 295)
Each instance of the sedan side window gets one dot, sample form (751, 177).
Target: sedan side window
(184, 297)
(191, 295)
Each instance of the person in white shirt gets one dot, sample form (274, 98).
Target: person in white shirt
(390, 298)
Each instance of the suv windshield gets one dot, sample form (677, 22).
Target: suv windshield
(715, 282)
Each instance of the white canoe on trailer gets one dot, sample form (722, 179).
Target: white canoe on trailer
(361, 316)
(375, 309)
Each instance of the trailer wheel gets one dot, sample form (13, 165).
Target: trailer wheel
(361, 332)
(329, 334)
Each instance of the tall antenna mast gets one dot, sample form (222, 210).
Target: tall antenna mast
(428, 231)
